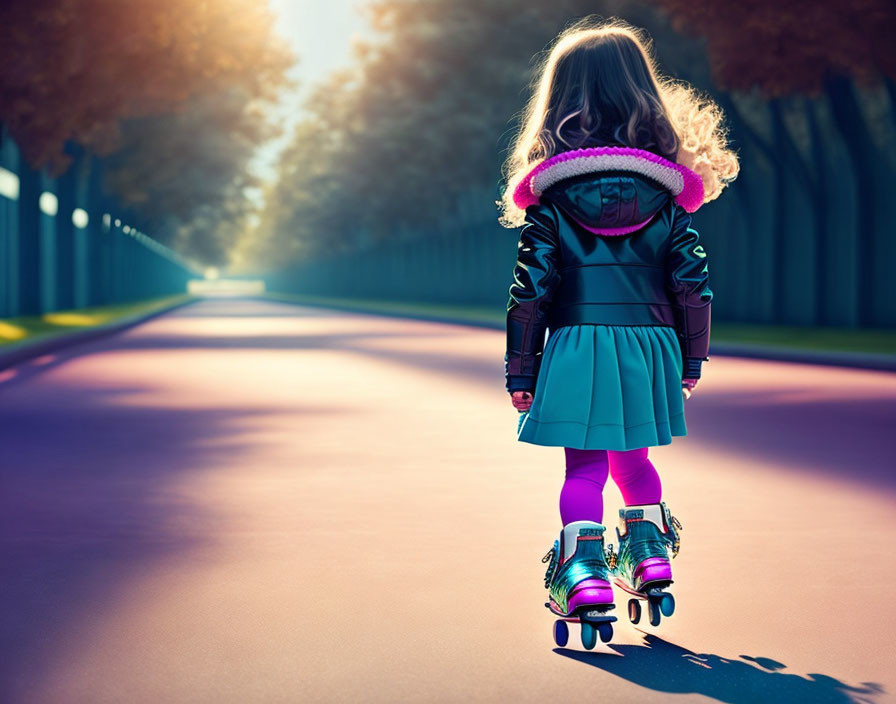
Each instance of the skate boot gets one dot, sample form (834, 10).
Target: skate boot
(577, 583)
(647, 534)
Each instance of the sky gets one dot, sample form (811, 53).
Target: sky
(320, 32)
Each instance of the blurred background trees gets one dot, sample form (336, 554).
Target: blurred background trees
(405, 146)
(809, 62)
(396, 158)
(170, 93)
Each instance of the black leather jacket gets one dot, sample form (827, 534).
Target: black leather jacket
(566, 274)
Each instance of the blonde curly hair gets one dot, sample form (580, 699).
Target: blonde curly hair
(603, 73)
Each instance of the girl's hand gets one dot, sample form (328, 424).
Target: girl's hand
(521, 400)
(687, 386)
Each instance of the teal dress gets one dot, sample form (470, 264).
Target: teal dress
(611, 387)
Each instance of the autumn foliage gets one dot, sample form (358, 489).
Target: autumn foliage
(74, 69)
(790, 47)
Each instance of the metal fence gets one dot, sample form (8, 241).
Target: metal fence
(65, 244)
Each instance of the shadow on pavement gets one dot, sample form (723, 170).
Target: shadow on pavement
(91, 496)
(846, 438)
(849, 439)
(665, 667)
(843, 438)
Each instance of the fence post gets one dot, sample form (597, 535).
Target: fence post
(29, 242)
(84, 224)
(65, 236)
(48, 205)
(9, 225)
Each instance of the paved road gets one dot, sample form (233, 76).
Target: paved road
(245, 501)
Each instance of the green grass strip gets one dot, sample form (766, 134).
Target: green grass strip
(26, 329)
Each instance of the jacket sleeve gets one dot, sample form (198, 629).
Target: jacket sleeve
(535, 278)
(687, 283)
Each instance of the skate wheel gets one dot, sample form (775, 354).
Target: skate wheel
(605, 631)
(667, 605)
(654, 608)
(561, 633)
(589, 636)
(634, 610)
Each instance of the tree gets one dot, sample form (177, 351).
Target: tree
(808, 48)
(185, 175)
(170, 92)
(790, 48)
(74, 69)
(419, 120)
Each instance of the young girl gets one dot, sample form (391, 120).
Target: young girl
(609, 161)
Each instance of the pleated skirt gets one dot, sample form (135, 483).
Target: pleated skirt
(607, 387)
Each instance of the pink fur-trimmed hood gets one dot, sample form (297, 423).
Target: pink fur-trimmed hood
(680, 181)
(611, 190)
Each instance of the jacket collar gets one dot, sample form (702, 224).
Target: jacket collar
(683, 183)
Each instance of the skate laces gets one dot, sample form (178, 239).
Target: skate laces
(553, 555)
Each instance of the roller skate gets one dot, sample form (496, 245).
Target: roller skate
(646, 536)
(577, 583)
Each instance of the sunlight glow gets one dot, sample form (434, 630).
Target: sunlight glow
(225, 287)
(73, 319)
(8, 331)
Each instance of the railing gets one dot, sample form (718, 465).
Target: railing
(65, 244)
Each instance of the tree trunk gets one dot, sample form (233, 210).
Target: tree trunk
(780, 201)
(819, 207)
(811, 179)
(29, 241)
(890, 85)
(851, 124)
(745, 135)
(65, 236)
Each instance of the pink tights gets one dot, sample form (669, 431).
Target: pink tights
(581, 498)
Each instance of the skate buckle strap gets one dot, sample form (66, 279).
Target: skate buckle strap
(674, 526)
(551, 556)
(612, 557)
(591, 532)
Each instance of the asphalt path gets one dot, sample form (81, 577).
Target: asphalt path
(246, 501)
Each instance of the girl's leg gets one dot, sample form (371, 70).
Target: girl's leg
(635, 476)
(582, 495)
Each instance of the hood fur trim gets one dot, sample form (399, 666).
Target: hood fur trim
(680, 181)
